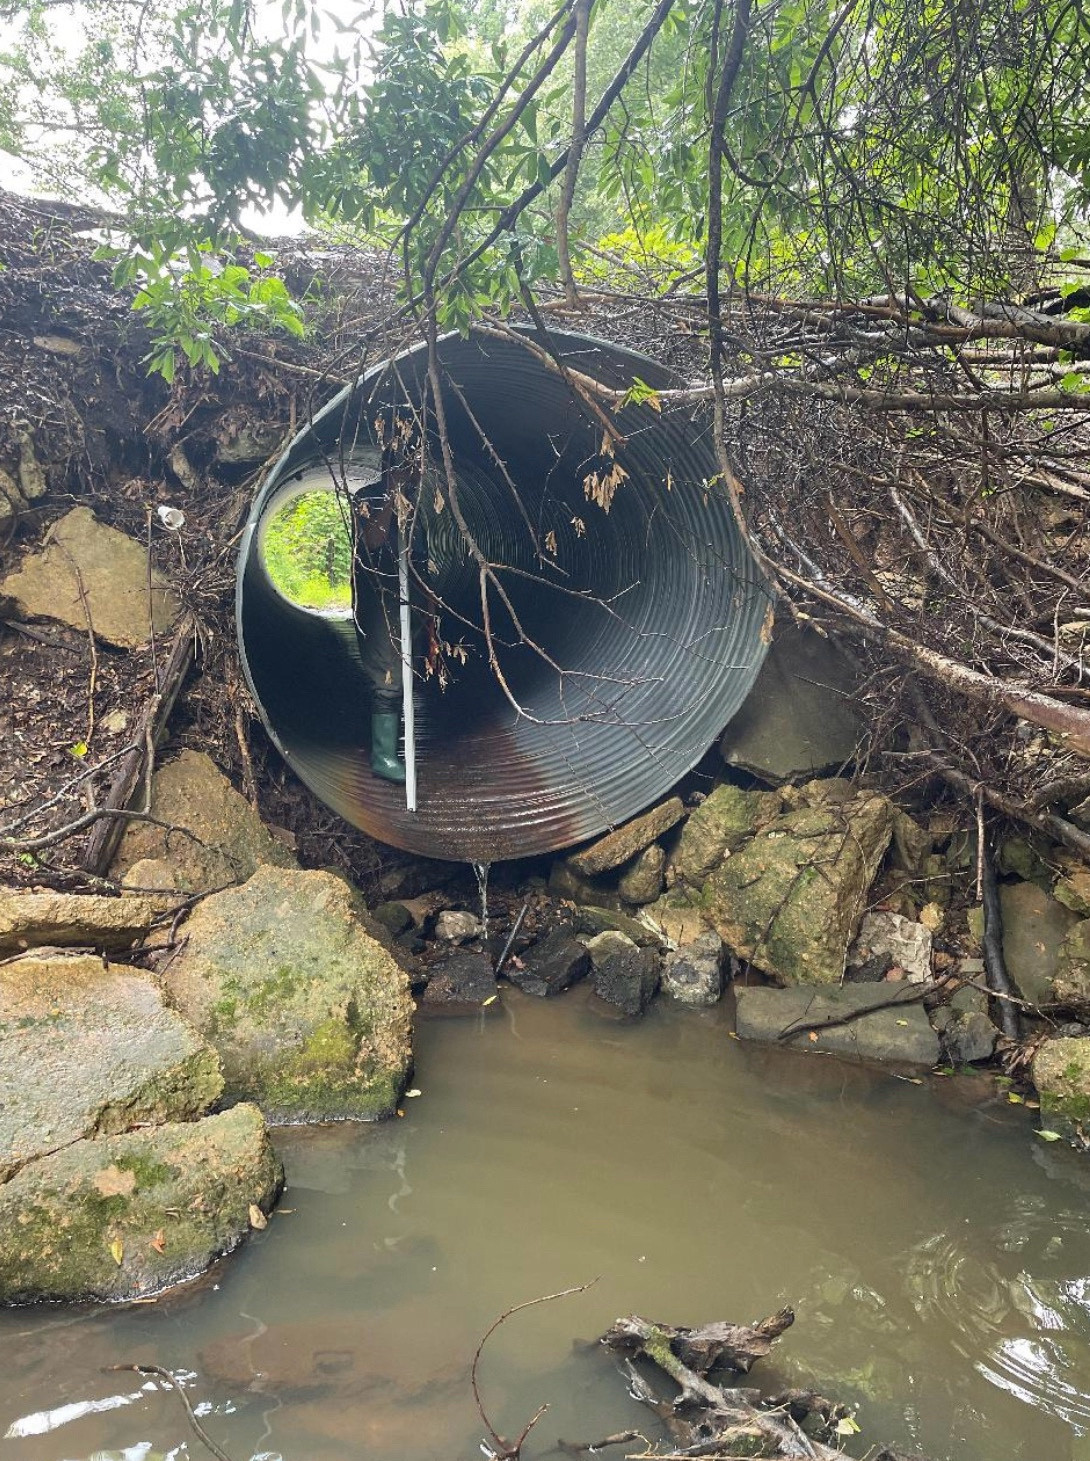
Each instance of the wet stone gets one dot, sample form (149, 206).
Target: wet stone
(693, 974)
(591, 921)
(461, 983)
(642, 881)
(624, 975)
(621, 846)
(552, 965)
(899, 1033)
(969, 1037)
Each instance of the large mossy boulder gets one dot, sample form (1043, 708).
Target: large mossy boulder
(726, 818)
(217, 837)
(1061, 1073)
(790, 899)
(128, 1215)
(87, 1050)
(309, 1013)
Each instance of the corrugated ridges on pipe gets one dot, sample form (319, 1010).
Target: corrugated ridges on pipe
(653, 618)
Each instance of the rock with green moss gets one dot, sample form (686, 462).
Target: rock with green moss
(726, 818)
(223, 841)
(792, 897)
(126, 1216)
(1073, 890)
(1061, 1073)
(309, 1013)
(1071, 982)
(89, 1050)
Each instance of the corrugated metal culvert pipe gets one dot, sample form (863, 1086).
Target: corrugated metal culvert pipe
(642, 629)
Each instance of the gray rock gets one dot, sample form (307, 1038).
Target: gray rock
(967, 999)
(799, 718)
(901, 1034)
(621, 846)
(1034, 927)
(551, 966)
(1071, 984)
(462, 983)
(693, 974)
(126, 1216)
(624, 975)
(791, 899)
(895, 942)
(86, 569)
(723, 821)
(86, 1051)
(572, 887)
(309, 1013)
(455, 927)
(643, 880)
(1061, 1073)
(227, 842)
(969, 1037)
(60, 920)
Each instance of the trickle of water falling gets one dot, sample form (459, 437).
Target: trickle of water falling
(482, 870)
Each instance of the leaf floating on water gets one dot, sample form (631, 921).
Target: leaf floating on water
(1015, 1099)
(1050, 1136)
(903, 1023)
(490, 1000)
(117, 1249)
(813, 1036)
(159, 1242)
(848, 1426)
(413, 1092)
(258, 1219)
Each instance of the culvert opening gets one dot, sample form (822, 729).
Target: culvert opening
(608, 651)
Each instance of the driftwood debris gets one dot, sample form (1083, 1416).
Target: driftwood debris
(724, 1422)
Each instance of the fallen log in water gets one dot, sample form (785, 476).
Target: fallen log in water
(722, 1423)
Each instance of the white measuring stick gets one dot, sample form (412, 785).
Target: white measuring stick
(407, 671)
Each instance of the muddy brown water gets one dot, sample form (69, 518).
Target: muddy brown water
(936, 1250)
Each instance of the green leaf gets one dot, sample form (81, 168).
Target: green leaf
(1049, 1135)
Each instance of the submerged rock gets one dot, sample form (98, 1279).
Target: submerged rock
(1061, 1073)
(128, 1215)
(87, 571)
(621, 846)
(309, 1013)
(551, 966)
(693, 973)
(59, 920)
(624, 975)
(791, 899)
(226, 841)
(89, 1051)
(842, 1021)
(462, 983)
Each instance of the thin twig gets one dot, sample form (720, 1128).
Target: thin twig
(198, 1430)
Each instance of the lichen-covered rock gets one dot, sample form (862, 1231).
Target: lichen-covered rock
(89, 571)
(886, 941)
(721, 824)
(791, 899)
(87, 1051)
(642, 881)
(128, 1215)
(1061, 1073)
(1071, 982)
(60, 920)
(1073, 890)
(309, 1013)
(693, 973)
(619, 847)
(226, 841)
